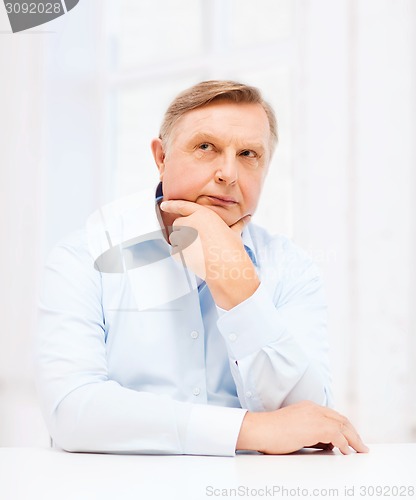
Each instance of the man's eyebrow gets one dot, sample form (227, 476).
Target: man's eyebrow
(203, 136)
(208, 137)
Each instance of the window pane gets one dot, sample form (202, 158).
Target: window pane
(260, 21)
(152, 31)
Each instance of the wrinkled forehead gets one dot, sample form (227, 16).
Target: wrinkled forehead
(246, 121)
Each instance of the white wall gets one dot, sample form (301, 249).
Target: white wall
(21, 222)
(355, 198)
(341, 74)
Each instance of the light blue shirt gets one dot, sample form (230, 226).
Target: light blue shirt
(133, 356)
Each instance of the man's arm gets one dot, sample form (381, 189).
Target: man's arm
(85, 410)
(276, 340)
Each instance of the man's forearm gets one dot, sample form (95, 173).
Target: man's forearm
(231, 283)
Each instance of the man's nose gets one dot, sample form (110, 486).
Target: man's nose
(227, 170)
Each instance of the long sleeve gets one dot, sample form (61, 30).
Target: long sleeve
(276, 339)
(84, 407)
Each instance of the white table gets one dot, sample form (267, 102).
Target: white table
(40, 473)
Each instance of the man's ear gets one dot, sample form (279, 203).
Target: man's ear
(158, 155)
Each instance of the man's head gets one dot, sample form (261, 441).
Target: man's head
(210, 91)
(214, 147)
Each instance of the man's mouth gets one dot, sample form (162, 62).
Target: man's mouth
(222, 201)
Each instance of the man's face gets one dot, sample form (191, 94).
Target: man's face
(217, 156)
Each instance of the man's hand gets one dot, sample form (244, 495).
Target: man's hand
(218, 254)
(301, 425)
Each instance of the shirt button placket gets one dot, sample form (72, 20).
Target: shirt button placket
(194, 334)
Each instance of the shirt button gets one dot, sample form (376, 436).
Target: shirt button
(196, 391)
(249, 394)
(194, 334)
(232, 337)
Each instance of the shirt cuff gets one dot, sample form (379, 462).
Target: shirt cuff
(213, 430)
(251, 325)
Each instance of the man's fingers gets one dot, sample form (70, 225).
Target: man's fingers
(353, 438)
(341, 442)
(185, 208)
(347, 430)
(238, 226)
(181, 207)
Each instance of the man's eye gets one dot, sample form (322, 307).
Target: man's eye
(249, 153)
(205, 146)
